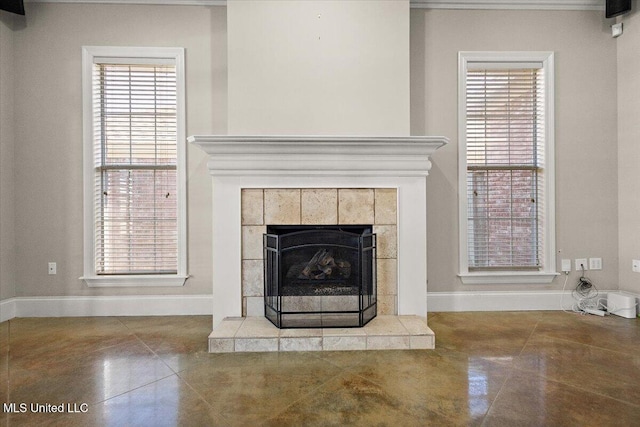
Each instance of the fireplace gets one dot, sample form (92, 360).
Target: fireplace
(261, 181)
(389, 165)
(320, 276)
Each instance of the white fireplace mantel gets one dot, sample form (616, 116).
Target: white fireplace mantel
(240, 162)
(319, 155)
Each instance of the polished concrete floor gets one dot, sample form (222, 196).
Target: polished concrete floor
(493, 369)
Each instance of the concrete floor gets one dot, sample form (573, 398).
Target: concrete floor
(493, 369)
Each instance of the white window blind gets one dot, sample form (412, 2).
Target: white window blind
(505, 143)
(135, 151)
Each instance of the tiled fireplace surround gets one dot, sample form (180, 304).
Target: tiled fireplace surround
(319, 180)
(318, 206)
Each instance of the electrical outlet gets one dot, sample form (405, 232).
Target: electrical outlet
(581, 263)
(52, 268)
(566, 265)
(635, 266)
(616, 30)
(595, 263)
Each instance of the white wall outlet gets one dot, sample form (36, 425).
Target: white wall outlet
(52, 268)
(566, 265)
(635, 265)
(595, 263)
(581, 263)
(616, 30)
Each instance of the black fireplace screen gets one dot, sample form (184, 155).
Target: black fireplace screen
(320, 276)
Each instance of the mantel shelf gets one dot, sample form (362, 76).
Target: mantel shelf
(319, 155)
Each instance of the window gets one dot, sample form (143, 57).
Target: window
(134, 154)
(506, 167)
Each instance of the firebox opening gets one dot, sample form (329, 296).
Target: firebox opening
(320, 276)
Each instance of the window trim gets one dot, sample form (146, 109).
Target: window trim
(548, 272)
(90, 55)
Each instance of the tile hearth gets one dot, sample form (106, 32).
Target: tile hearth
(257, 334)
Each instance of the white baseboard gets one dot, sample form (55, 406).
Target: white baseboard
(132, 305)
(499, 301)
(176, 305)
(7, 309)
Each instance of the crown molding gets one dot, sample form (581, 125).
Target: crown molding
(415, 4)
(510, 4)
(138, 2)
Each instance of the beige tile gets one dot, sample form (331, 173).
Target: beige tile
(386, 206)
(252, 246)
(256, 344)
(387, 275)
(252, 278)
(319, 206)
(227, 328)
(301, 303)
(303, 321)
(340, 303)
(301, 344)
(342, 343)
(387, 241)
(421, 342)
(387, 305)
(416, 325)
(301, 333)
(356, 206)
(340, 332)
(221, 345)
(385, 325)
(252, 206)
(388, 342)
(282, 206)
(257, 327)
(255, 306)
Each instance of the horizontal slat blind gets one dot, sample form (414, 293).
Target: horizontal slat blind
(505, 153)
(135, 136)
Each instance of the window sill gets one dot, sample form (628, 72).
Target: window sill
(508, 278)
(134, 281)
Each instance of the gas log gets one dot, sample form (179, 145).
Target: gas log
(321, 266)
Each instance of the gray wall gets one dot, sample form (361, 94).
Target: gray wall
(629, 148)
(310, 68)
(585, 102)
(47, 127)
(7, 143)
